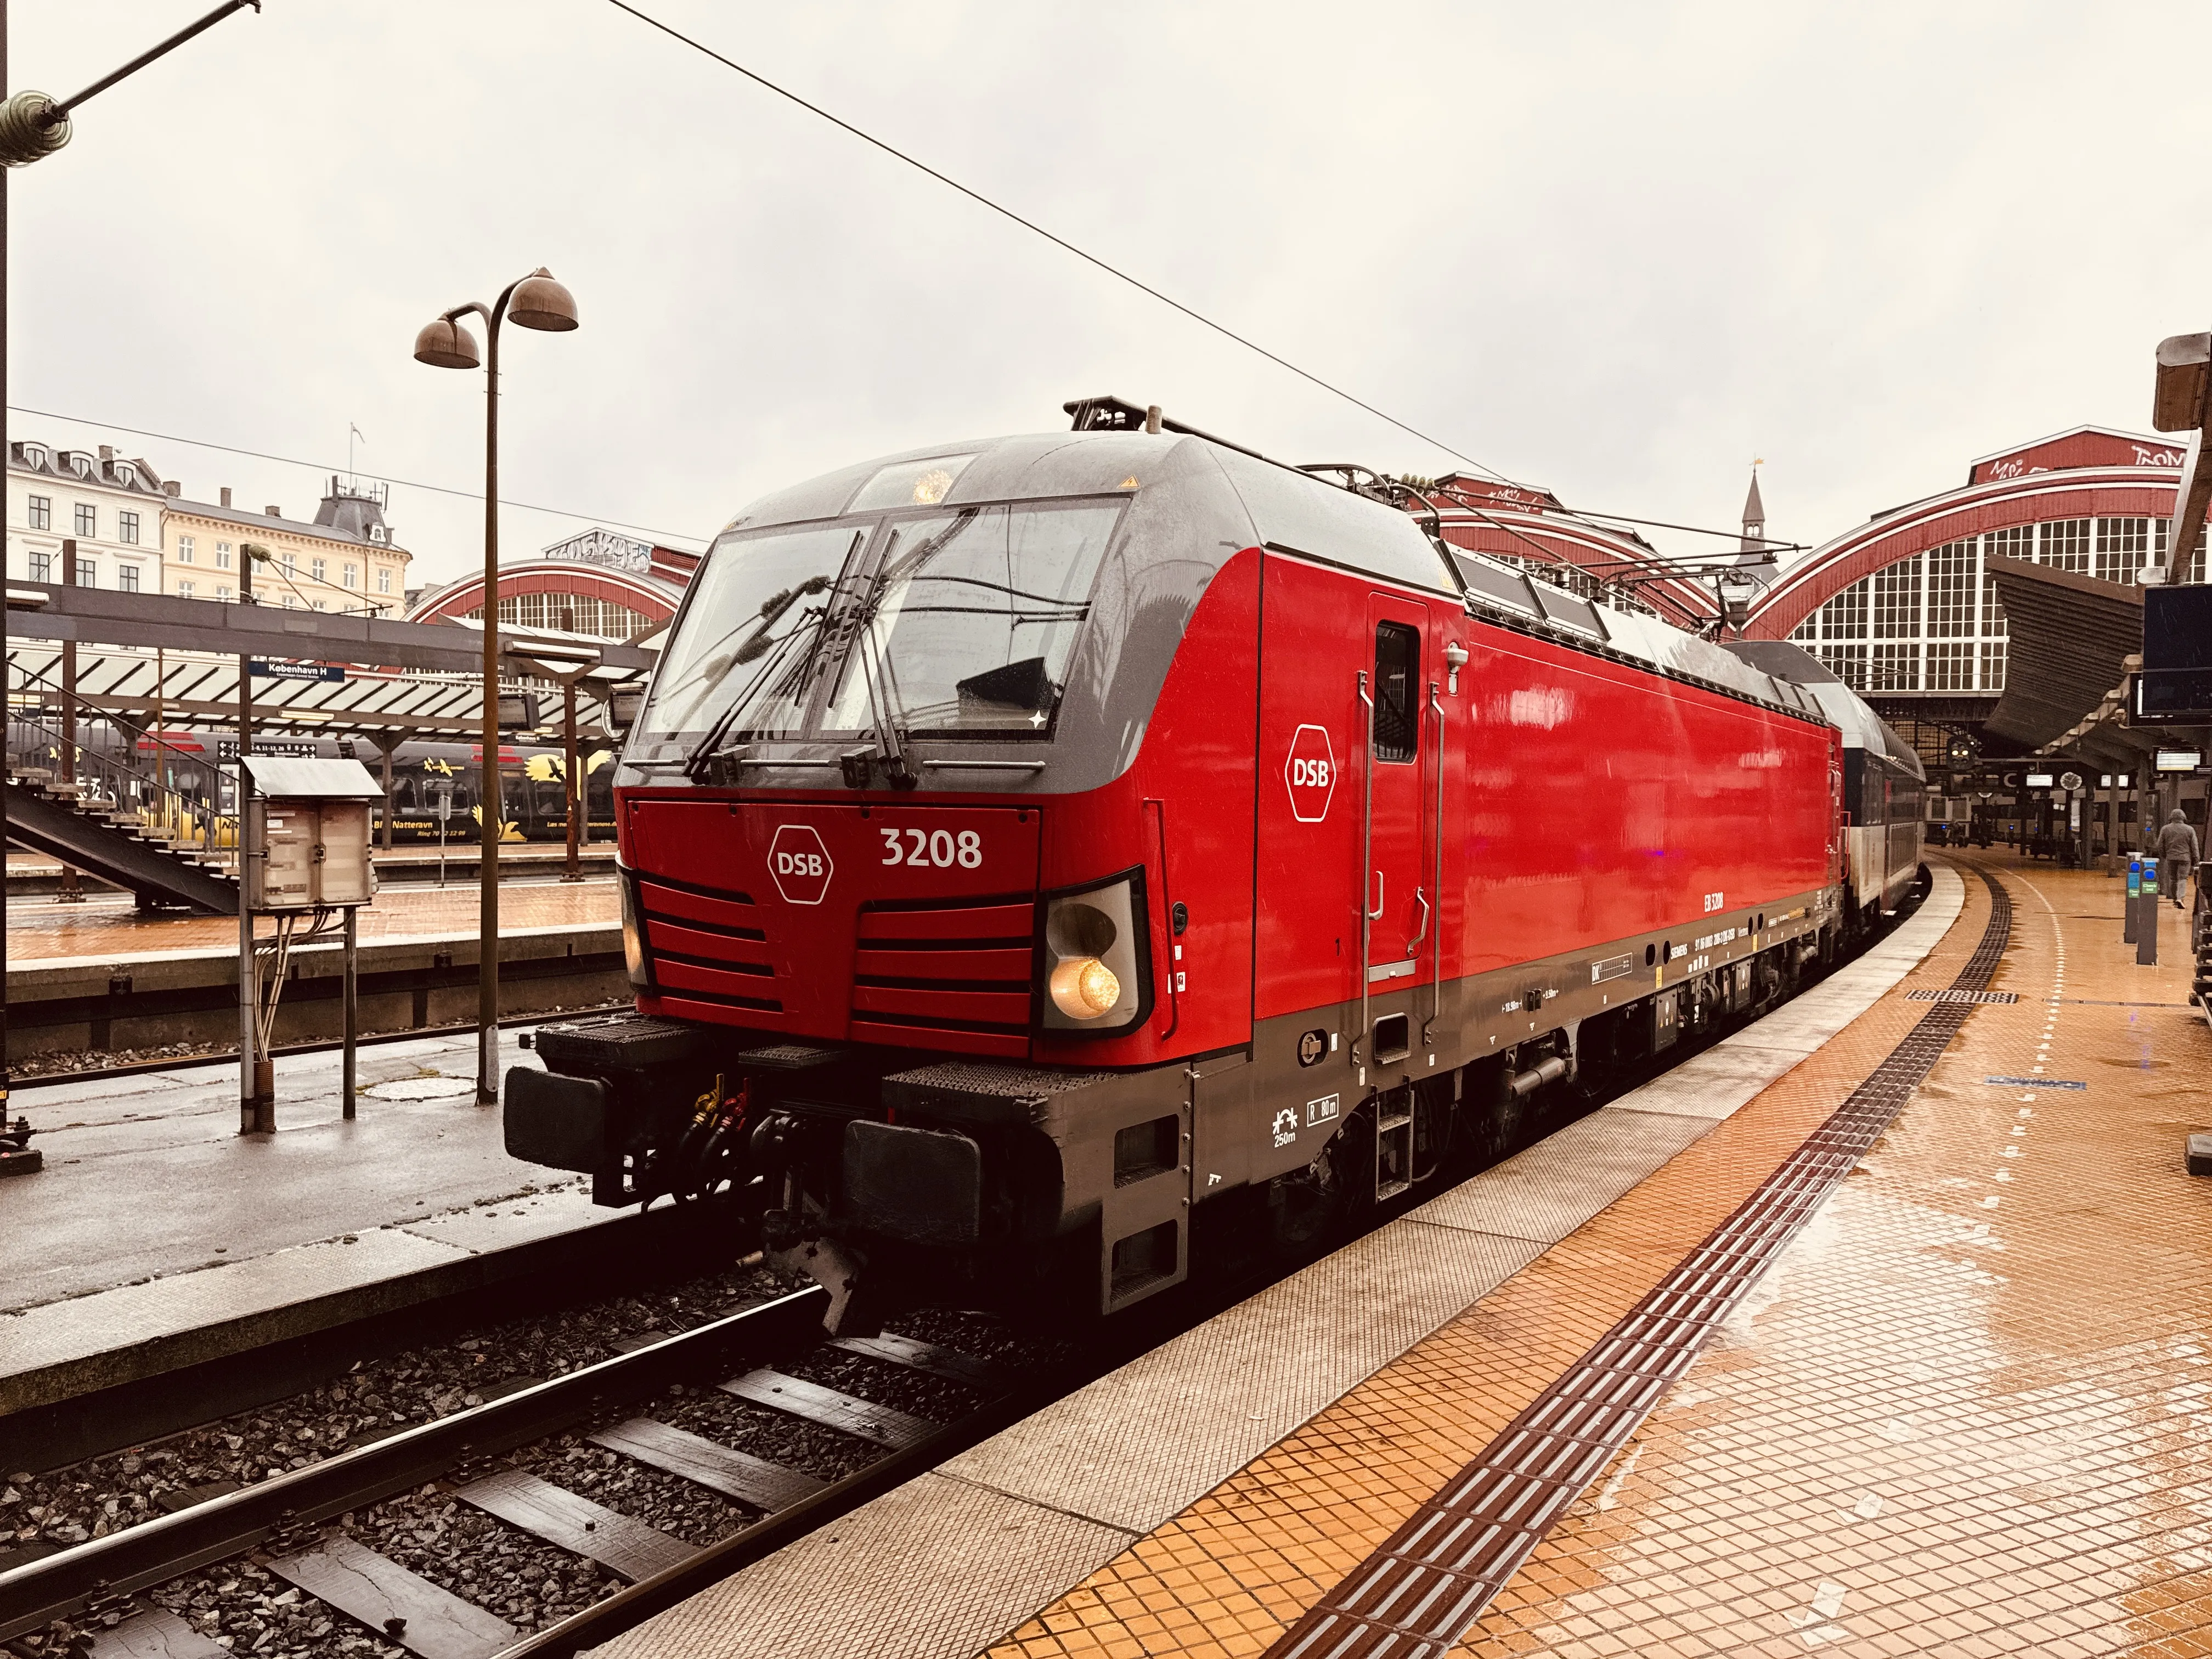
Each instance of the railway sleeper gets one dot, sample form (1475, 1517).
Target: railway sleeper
(391, 1599)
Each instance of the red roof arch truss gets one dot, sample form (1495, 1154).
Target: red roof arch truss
(579, 581)
(2003, 504)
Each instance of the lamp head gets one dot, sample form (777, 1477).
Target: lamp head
(446, 345)
(538, 302)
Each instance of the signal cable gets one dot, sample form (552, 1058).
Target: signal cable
(1062, 242)
(1090, 258)
(411, 483)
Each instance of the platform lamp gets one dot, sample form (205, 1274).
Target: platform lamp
(533, 301)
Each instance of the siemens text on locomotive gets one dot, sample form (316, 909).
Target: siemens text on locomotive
(1036, 848)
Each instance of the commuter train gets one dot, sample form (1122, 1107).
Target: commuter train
(533, 801)
(1036, 850)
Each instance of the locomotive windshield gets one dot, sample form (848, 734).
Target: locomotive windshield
(958, 622)
(971, 620)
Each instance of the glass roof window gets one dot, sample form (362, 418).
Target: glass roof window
(910, 483)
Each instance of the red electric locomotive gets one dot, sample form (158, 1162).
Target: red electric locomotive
(1032, 846)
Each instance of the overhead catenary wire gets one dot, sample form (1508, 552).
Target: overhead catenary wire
(1095, 261)
(411, 483)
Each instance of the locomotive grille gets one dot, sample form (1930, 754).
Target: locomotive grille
(708, 945)
(945, 975)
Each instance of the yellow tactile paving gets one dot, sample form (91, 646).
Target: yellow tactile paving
(1231, 1572)
(1970, 1412)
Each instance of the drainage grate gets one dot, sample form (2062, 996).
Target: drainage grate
(1430, 1580)
(1950, 995)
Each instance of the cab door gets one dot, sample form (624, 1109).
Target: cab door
(1398, 791)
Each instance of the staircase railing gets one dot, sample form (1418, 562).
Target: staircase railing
(161, 809)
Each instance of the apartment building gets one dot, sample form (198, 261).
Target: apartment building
(110, 506)
(344, 559)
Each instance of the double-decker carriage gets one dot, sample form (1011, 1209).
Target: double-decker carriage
(1031, 847)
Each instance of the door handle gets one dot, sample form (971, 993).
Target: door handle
(1414, 942)
(1376, 914)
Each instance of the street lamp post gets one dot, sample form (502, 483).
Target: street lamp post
(533, 301)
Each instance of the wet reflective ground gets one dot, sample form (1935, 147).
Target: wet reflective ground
(1968, 1412)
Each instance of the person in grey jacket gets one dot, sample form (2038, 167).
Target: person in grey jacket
(2178, 853)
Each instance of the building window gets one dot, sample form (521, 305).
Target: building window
(2016, 543)
(88, 521)
(223, 555)
(2194, 572)
(126, 579)
(1897, 603)
(1895, 668)
(185, 554)
(42, 565)
(2066, 544)
(1951, 665)
(1951, 570)
(384, 579)
(1993, 658)
(42, 513)
(1993, 615)
(1848, 663)
(291, 564)
(183, 590)
(2121, 545)
(221, 594)
(351, 575)
(1844, 616)
(87, 572)
(318, 605)
(126, 528)
(317, 570)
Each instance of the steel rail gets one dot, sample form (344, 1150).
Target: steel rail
(140, 1557)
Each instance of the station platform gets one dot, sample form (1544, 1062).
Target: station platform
(107, 924)
(1883, 1325)
(157, 1238)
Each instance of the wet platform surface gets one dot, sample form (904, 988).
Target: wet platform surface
(1965, 1411)
(153, 1217)
(106, 925)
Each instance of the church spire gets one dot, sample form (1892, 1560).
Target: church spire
(1754, 517)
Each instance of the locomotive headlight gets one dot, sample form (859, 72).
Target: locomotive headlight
(641, 973)
(1097, 958)
(1083, 987)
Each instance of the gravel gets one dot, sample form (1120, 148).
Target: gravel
(248, 1609)
(62, 1064)
(107, 1494)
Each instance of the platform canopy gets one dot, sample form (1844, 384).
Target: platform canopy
(2074, 641)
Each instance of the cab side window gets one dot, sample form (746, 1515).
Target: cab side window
(1397, 672)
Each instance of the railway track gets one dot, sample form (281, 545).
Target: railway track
(25, 1088)
(292, 1524)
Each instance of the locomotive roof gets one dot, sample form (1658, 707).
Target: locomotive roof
(1199, 502)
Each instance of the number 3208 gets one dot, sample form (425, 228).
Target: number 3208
(940, 848)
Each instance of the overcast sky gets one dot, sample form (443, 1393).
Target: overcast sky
(1617, 250)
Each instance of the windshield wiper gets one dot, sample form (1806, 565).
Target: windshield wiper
(809, 628)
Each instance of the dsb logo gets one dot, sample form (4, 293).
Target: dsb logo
(1310, 773)
(799, 864)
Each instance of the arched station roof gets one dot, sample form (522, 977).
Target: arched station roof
(2088, 473)
(650, 595)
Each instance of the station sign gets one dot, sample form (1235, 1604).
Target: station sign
(329, 673)
(2179, 760)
